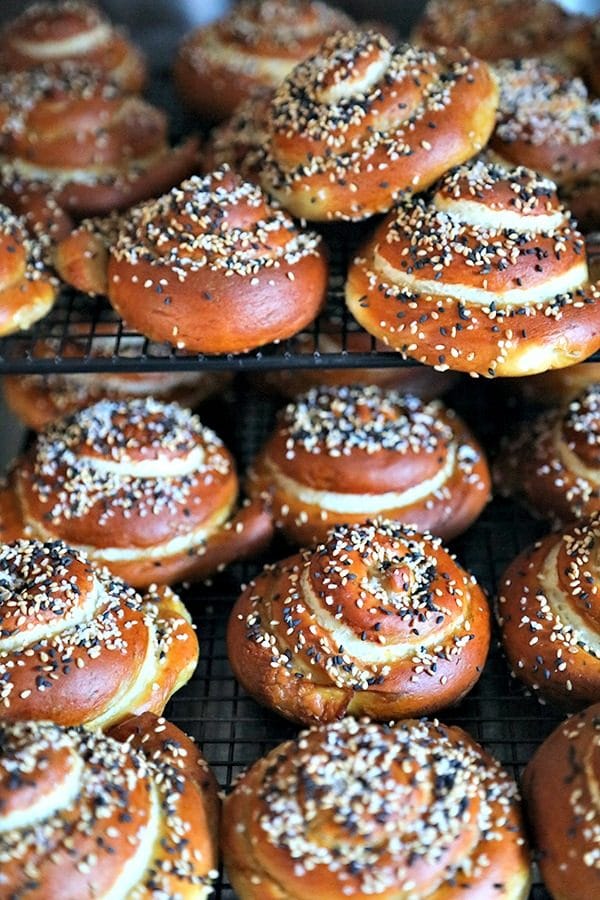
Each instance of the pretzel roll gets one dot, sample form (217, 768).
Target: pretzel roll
(85, 815)
(401, 811)
(505, 29)
(210, 267)
(69, 134)
(560, 786)
(240, 140)
(254, 46)
(361, 122)
(79, 646)
(486, 274)
(559, 387)
(554, 463)
(39, 400)
(547, 121)
(143, 487)
(70, 31)
(378, 620)
(347, 454)
(27, 289)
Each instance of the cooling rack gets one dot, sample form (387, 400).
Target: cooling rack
(85, 334)
(234, 731)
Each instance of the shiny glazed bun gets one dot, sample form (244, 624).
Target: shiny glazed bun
(118, 819)
(379, 621)
(70, 135)
(80, 647)
(505, 29)
(70, 31)
(255, 45)
(143, 486)
(560, 787)
(354, 809)
(486, 274)
(360, 122)
(27, 289)
(39, 400)
(346, 454)
(240, 141)
(554, 463)
(211, 266)
(547, 607)
(547, 121)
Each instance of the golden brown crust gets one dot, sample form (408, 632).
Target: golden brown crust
(75, 32)
(361, 122)
(143, 486)
(255, 46)
(505, 29)
(379, 621)
(547, 609)
(554, 463)
(71, 139)
(211, 267)
(297, 826)
(80, 647)
(346, 454)
(27, 289)
(240, 140)
(486, 275)
(547, 121)
(114, 817)
(560, 787)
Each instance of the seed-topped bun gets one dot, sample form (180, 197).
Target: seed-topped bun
(505, 29)
(70, 31)
(27, 289)
(70, 134)
(254, 46)
(486, 274)
(143, 486)
(379, 621)
(80, 647)
(560, 786)
(211, 266)
(361, 121)
(354, 809)
(39, 400)
(554, 463)
(84, 815)
(347, 454)
(548, 611)
(240, 141)
(547, 121)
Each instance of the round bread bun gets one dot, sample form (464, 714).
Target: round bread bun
(80, 647)
(254, 46)
(560, 787)
(362, 122)
(27, 288)
(347, 454)
(486, 274)
(547, 121)
(70, 138)
(142, 486)
(505, 29)
(131, 818)
(355, 809)
(211, 267)
(547, 612)
(48, 34)
(554, 462)
(378, 620)
(38, 400)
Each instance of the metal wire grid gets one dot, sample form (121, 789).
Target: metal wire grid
(234, 731)
(89, 326)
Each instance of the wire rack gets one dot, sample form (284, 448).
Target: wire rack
(85, 334)
(234, 731)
